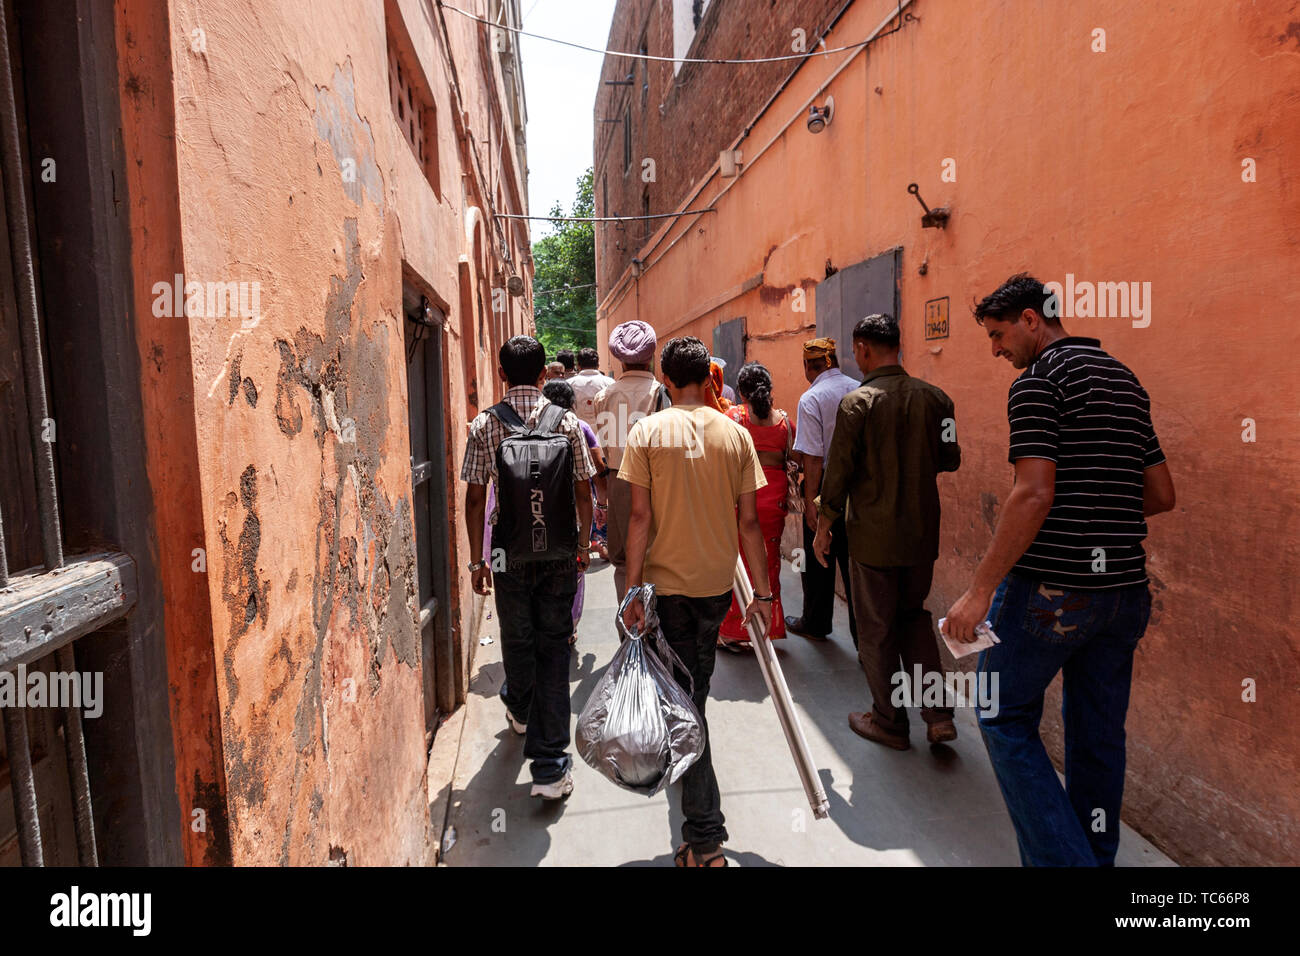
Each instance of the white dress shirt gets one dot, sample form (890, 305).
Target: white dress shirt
(818, 407)
(586, 384)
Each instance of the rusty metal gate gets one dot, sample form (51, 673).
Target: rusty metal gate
(48, 599)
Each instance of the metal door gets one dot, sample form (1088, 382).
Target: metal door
(856, 291)
(429, 457)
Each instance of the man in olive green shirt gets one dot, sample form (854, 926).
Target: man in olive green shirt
(893, 435)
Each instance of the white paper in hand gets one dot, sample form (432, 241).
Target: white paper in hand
(984, 637)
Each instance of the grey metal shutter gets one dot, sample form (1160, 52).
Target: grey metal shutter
(854, 292)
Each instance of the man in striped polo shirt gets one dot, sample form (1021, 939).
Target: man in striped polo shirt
(1065, 574)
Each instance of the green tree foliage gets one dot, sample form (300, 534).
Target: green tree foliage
(561, 260)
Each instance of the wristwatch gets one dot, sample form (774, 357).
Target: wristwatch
(475, 565)
(766, 600)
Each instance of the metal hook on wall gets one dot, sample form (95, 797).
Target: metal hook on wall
(938, 218)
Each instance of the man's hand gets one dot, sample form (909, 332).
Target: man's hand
(812, 484)
(475, 504)
(971, 610)
(822, 545)
(760, 612)
(584, 558)
(634, 615)
(1022, 516)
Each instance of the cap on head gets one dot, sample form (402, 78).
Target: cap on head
(819, 348)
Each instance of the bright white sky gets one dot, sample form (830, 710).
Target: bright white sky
(560, 86)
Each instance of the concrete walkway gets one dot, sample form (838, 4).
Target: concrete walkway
(915, 808)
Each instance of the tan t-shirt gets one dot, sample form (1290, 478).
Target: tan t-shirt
(696, 463)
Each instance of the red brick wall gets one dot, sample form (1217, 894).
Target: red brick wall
(682, 122)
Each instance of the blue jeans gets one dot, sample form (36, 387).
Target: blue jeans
(535, 614)
(1091, 637)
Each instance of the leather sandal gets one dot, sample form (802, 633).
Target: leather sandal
(685, 856)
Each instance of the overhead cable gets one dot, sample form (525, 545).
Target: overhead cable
(650, 56)
(659, 215)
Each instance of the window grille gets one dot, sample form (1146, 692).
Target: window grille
(413, 108)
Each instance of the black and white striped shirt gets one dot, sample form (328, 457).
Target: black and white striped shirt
(1083, 409)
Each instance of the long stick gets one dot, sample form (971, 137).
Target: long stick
(776, 686)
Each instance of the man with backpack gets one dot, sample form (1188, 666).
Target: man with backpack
(535, 454)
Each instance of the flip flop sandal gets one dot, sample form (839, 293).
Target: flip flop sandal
(685, 855)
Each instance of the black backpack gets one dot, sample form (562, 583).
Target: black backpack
(537, 517)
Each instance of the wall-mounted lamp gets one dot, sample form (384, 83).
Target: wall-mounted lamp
(636, 267)
(819, 117)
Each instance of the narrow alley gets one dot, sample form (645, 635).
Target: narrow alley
(334, 332)
(920, 807)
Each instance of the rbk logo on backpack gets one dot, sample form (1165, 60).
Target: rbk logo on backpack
(539, 519)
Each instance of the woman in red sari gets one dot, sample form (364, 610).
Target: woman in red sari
(773, 435)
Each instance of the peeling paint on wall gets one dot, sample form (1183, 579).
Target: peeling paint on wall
(349, 137)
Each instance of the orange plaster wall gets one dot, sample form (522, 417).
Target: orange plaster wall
(1117, 166)
(300, 418)
(167, 400)
(279, 443)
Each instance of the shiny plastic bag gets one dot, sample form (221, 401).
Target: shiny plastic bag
(640, 728)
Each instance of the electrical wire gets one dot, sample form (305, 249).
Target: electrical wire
(567, 288)
(650, 56)
(659, 215)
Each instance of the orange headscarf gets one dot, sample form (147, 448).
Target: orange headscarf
(713, 389)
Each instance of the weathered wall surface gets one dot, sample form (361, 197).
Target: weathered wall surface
(1117, 166)
(167, 398)
(290, 174)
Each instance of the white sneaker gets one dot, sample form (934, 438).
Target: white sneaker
(559, 790)
(515, 725)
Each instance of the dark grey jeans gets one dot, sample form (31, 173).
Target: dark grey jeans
(690, 625)
(535, 613)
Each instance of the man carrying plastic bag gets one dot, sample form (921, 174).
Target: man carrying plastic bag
(640, 728)
(693, 474)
